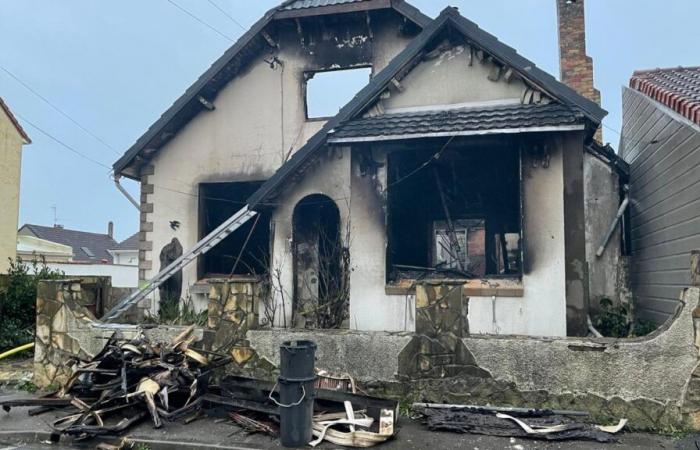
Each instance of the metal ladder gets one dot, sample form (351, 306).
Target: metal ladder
(200, 248)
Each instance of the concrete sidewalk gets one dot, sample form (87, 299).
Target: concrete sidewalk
(20, 431)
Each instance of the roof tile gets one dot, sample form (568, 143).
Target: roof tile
(459, 120)
(677, 88)
(96, 243)
(304, 4)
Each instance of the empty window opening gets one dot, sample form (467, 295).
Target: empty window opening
(457, 216)
(218, 202)
(327, 92)
(320, 279)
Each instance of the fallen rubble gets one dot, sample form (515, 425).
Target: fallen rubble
(127, 382)
(131, 381)
(528, 423)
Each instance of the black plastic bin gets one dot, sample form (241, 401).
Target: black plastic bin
(297, 392)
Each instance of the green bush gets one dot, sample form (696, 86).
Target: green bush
(18, 301)
(615, 321)
(176, 312)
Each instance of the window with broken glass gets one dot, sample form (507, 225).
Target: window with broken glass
(454, 209)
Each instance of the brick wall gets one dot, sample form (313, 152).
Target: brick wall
(575, 66)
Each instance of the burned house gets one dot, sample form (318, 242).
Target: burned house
(459, 165)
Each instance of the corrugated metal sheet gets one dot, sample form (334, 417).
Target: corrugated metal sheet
(664, 155)
(304, 4)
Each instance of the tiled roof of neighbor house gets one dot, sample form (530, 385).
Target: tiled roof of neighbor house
(449, 17)
(677, 88)
(87, 247)
(130, 243)
(15, 122)
(225, 69)
(462, 120)
(303, 4)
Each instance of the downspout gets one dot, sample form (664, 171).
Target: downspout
(620, 212)
(125, 192)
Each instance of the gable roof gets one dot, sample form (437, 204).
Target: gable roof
(15, 122)
(677, 88)
(402, 63)
(130, 243)
(87, 247)
(225, 69)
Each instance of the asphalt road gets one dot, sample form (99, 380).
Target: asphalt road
(20, 431)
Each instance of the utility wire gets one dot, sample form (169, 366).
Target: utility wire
(63, 144)
(211, 2)
(434, 157)
(59, 110)
(172, 2)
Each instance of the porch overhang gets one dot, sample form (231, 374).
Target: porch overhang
(398, 137)
(467, 121)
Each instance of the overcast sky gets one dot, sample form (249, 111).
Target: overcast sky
(115, 66)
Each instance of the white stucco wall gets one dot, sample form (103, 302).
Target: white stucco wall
(125, 257)
(330, 178)
(448, 79)
(542, 309)
(122, 276)
(259, 119)
(370, 307)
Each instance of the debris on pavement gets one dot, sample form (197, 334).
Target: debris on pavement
(533, 423)
(129, 381)
(325, 428)
(342, 418)
(248, 423)
(132, 381)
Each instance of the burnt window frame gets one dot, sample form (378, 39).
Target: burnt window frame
(514, 145)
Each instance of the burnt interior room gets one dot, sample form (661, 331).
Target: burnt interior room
(233, 256)
(454, 209)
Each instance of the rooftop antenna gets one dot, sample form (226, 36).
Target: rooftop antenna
(55, 217)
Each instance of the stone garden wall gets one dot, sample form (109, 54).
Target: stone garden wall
(67, 330)
(653, 381)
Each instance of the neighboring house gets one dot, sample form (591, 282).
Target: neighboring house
(91, 254)
(460, 164)
(661, 141)
(12, 137)
(30, 248)
(126, 252)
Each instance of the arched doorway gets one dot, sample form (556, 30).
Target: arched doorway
(320, 287)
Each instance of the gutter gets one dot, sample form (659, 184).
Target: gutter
(125, 192)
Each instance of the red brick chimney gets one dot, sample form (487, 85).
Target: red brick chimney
(575, 66)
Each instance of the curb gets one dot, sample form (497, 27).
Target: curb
(36, 437)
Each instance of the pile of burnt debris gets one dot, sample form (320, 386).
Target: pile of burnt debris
(130, 381)
(546, 424)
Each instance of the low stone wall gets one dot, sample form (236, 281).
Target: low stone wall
(653, 381)
(66, 330)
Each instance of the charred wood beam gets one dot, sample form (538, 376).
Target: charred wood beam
(454, 243)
